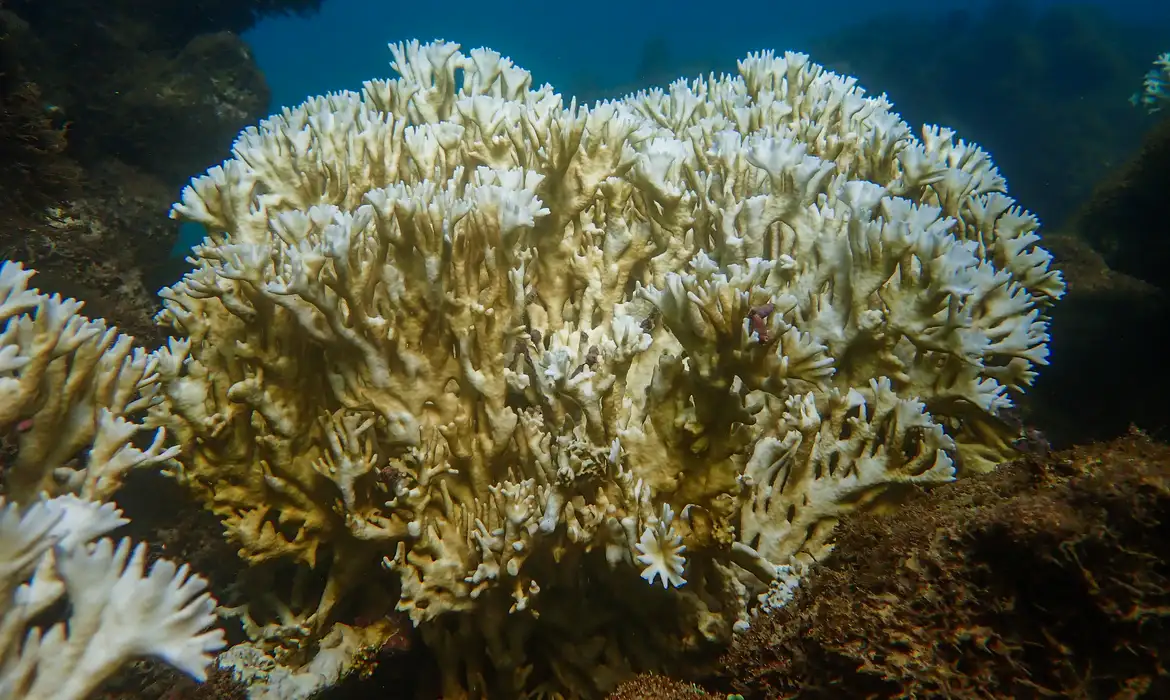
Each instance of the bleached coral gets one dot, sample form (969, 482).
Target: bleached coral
(499, 341)
(117, 610)
(70, 389)
(268, 679)
(661, 551)
(71, 393)
(1155, 87)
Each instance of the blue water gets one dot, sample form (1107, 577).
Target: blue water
(345, 43)
(583, 49)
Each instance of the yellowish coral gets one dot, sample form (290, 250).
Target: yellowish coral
(500, 342)
(72, 393)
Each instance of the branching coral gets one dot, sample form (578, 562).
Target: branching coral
(1155, 87)
(118, 610)
(500, 341)
(69, 391)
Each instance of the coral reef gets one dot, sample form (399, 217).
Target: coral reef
(525, 353)
(1047, 578)
(78, 246)
(1124, 217)
(155, 23)
(164, 109)
(153, 680)
(654, 687)
(1155, 87)
(72, 610)
(205, 92)
(1120, 233)
(36, 172)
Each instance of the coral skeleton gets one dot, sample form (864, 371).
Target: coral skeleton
(591, 383)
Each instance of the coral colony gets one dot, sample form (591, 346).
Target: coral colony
(577, 390)
(1156, 86)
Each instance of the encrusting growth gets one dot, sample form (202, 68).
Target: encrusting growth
(524, 353)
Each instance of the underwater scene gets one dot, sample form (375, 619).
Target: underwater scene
(641, 351)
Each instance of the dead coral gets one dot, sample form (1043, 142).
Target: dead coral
(1048, 578)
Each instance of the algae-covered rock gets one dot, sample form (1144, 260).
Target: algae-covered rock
(1047, 578)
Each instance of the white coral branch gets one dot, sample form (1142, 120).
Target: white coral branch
(68, 384)
(119, 611)
(661, 551)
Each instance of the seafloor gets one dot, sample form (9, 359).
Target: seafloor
(1048, 578)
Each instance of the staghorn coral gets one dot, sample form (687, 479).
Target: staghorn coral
(524, 352)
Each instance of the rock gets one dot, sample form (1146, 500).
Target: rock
(1047, 578)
